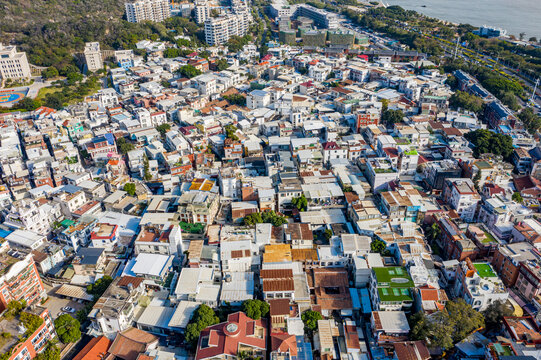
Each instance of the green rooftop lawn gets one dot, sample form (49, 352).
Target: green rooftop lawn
(394, 294)
(484, 270)
(387, 274)
(411, 152)
(196, 228)
(488, 238)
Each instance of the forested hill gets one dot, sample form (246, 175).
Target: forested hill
(50, 31)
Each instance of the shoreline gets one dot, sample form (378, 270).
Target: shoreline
(425, 7)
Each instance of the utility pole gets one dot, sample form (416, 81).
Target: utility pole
(456, 47)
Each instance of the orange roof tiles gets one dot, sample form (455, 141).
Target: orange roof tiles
(95, 349)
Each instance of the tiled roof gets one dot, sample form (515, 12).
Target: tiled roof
(225, 338)
(95, 349)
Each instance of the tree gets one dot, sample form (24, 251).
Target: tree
(235, 99)
(255, 309)
(310, 319)
(464, 318)
(516, 197)
(434, 232)
(163, 128)
(495, 312)
(124, 146)
(463, 100)
(67, 328)
(231, 132)
(486, 141)
(129, 188)
(189, 71)
(252, 219)
(28, 104)
(301, 203)
(31, 322)
(270, 216)
(202, 318)
(327, 234)
(378, 246)
(390, 117)
(476, 180)
(384, 105)
(532, 39)
(147, 176)
(98, 288)
(51, 352)
(435, 330)
(521, 36)
(531, 120)
(221, 64)
(49, 73)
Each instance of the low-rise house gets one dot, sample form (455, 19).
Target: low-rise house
(238, 334)
(115, 309)
(478, 284)
(391, 289)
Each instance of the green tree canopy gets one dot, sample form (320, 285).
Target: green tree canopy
(517, 197)
(163, 128)
(98, 288)
(255, 309)
(51, 352)
(495, 312)
(124, 146)
(463, 100)
(531, 121)
(486, 141)
(310, 319)
(378, 246)
(301, 203)
(235, 99)
(390, 117)
(67, 328)
(202, 318)
(189, 71)
(129, 188)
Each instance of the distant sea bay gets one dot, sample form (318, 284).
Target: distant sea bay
(515, 16)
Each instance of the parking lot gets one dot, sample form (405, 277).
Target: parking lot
(56, 303)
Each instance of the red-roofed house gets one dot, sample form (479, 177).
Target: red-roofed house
(283, 346)
(332, 150)
(227, 339)
(96, 349)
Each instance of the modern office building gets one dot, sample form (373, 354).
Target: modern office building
(13, 64)
(152, 10)
(93, 57)
(219, 30)
(321, 17)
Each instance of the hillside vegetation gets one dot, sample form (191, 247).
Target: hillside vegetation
(52, 31)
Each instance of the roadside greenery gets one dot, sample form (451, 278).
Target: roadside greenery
(67, 328)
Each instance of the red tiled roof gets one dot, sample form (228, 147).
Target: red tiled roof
(130, 343)
(284, 343)
(223, 341)
(95, 349)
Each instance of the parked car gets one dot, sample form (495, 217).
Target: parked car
(68, 309)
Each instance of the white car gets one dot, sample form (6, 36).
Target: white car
(68, 309)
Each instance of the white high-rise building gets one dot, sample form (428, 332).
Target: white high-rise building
(202, 11)
(152, 10)
(13, 64)
(93, 58)
(219, 30)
